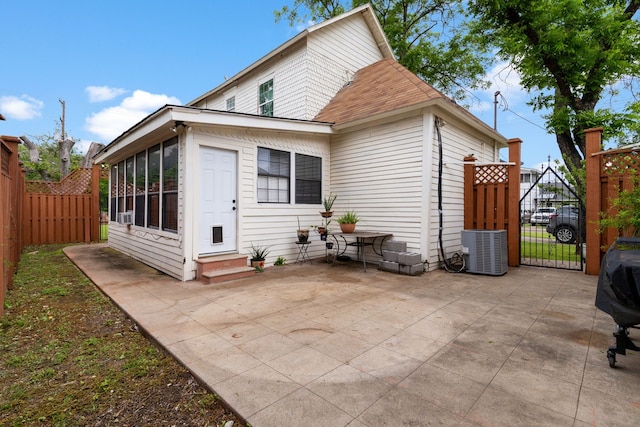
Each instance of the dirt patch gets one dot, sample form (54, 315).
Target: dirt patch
(69, 357)
(581, 336)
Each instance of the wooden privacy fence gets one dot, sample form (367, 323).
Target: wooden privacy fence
(492, 195)
(63, 212)
(492, 198)
(608, 173)
(11, 194)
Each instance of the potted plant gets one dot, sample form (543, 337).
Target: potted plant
(258, 255)
(327, 202)
(323, 230)
(303, 234)
(348, 221)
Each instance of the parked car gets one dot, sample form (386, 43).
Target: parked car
(564, 224)
(541, 216)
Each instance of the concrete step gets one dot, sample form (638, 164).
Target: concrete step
(224, 275)
(221, 268)
(220, 262)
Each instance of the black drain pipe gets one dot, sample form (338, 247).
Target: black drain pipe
(459, 264)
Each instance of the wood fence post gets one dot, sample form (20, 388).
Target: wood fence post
(513, 203)
(593, 140)
(95, 203)
(469, 202)
(15, 215)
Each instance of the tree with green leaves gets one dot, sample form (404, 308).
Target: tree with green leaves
(46, 164)
(572, 56)
(424, 35)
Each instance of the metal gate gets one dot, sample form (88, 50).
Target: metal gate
(551, 222)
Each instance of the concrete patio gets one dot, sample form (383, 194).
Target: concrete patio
(321, 345)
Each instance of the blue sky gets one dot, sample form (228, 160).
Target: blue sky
(115, 62)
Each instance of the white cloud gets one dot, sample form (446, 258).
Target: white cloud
(303, 26)
(481, 106)
(113, 121)
(23, 108)
(82, 146)
(103, 93)
(505, 78)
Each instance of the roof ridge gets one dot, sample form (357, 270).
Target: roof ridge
(416, 80)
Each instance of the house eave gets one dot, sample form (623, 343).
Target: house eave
(158, 126)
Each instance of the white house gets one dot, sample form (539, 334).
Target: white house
(330, 110)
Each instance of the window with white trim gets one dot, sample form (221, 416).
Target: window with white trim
(308, 179)
(274, 171)
(265, 98)
(274, 177)
(231, 104)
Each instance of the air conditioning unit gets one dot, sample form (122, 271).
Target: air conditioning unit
(125, 217)
(485, 251)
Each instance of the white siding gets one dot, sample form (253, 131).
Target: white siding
(307, 76)
(161, 250)
(268, 224)
(289, 75)
(378, 173)
(458, 141)
(336, 52)
(158, 250)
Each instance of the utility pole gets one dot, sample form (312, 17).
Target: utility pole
(495, 110)
(65, 145)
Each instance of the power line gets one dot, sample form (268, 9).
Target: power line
(525, 119)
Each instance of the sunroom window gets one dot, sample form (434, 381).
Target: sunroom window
(147, 184)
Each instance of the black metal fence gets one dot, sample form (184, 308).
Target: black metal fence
(551, 222)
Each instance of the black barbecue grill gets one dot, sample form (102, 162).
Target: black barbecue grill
(618, 292)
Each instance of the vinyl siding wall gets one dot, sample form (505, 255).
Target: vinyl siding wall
(159, 249)
(309, 74)
(388, 174)
(335, 54)
(458, 141)
(289, 73)
(270, 224)
(378, 172)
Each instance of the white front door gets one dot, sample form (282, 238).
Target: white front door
(217, 201)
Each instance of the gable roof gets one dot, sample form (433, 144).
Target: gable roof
(385, 88)
(369, 17)
(380, 88)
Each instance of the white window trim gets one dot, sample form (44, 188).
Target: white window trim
(261, 81)
(231, 93)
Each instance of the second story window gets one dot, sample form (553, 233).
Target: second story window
(265, 98)
(231, 104)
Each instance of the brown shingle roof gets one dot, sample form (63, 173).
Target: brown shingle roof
(382, 87)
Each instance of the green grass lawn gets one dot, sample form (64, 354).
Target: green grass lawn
(535, 231)
(549, 250)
